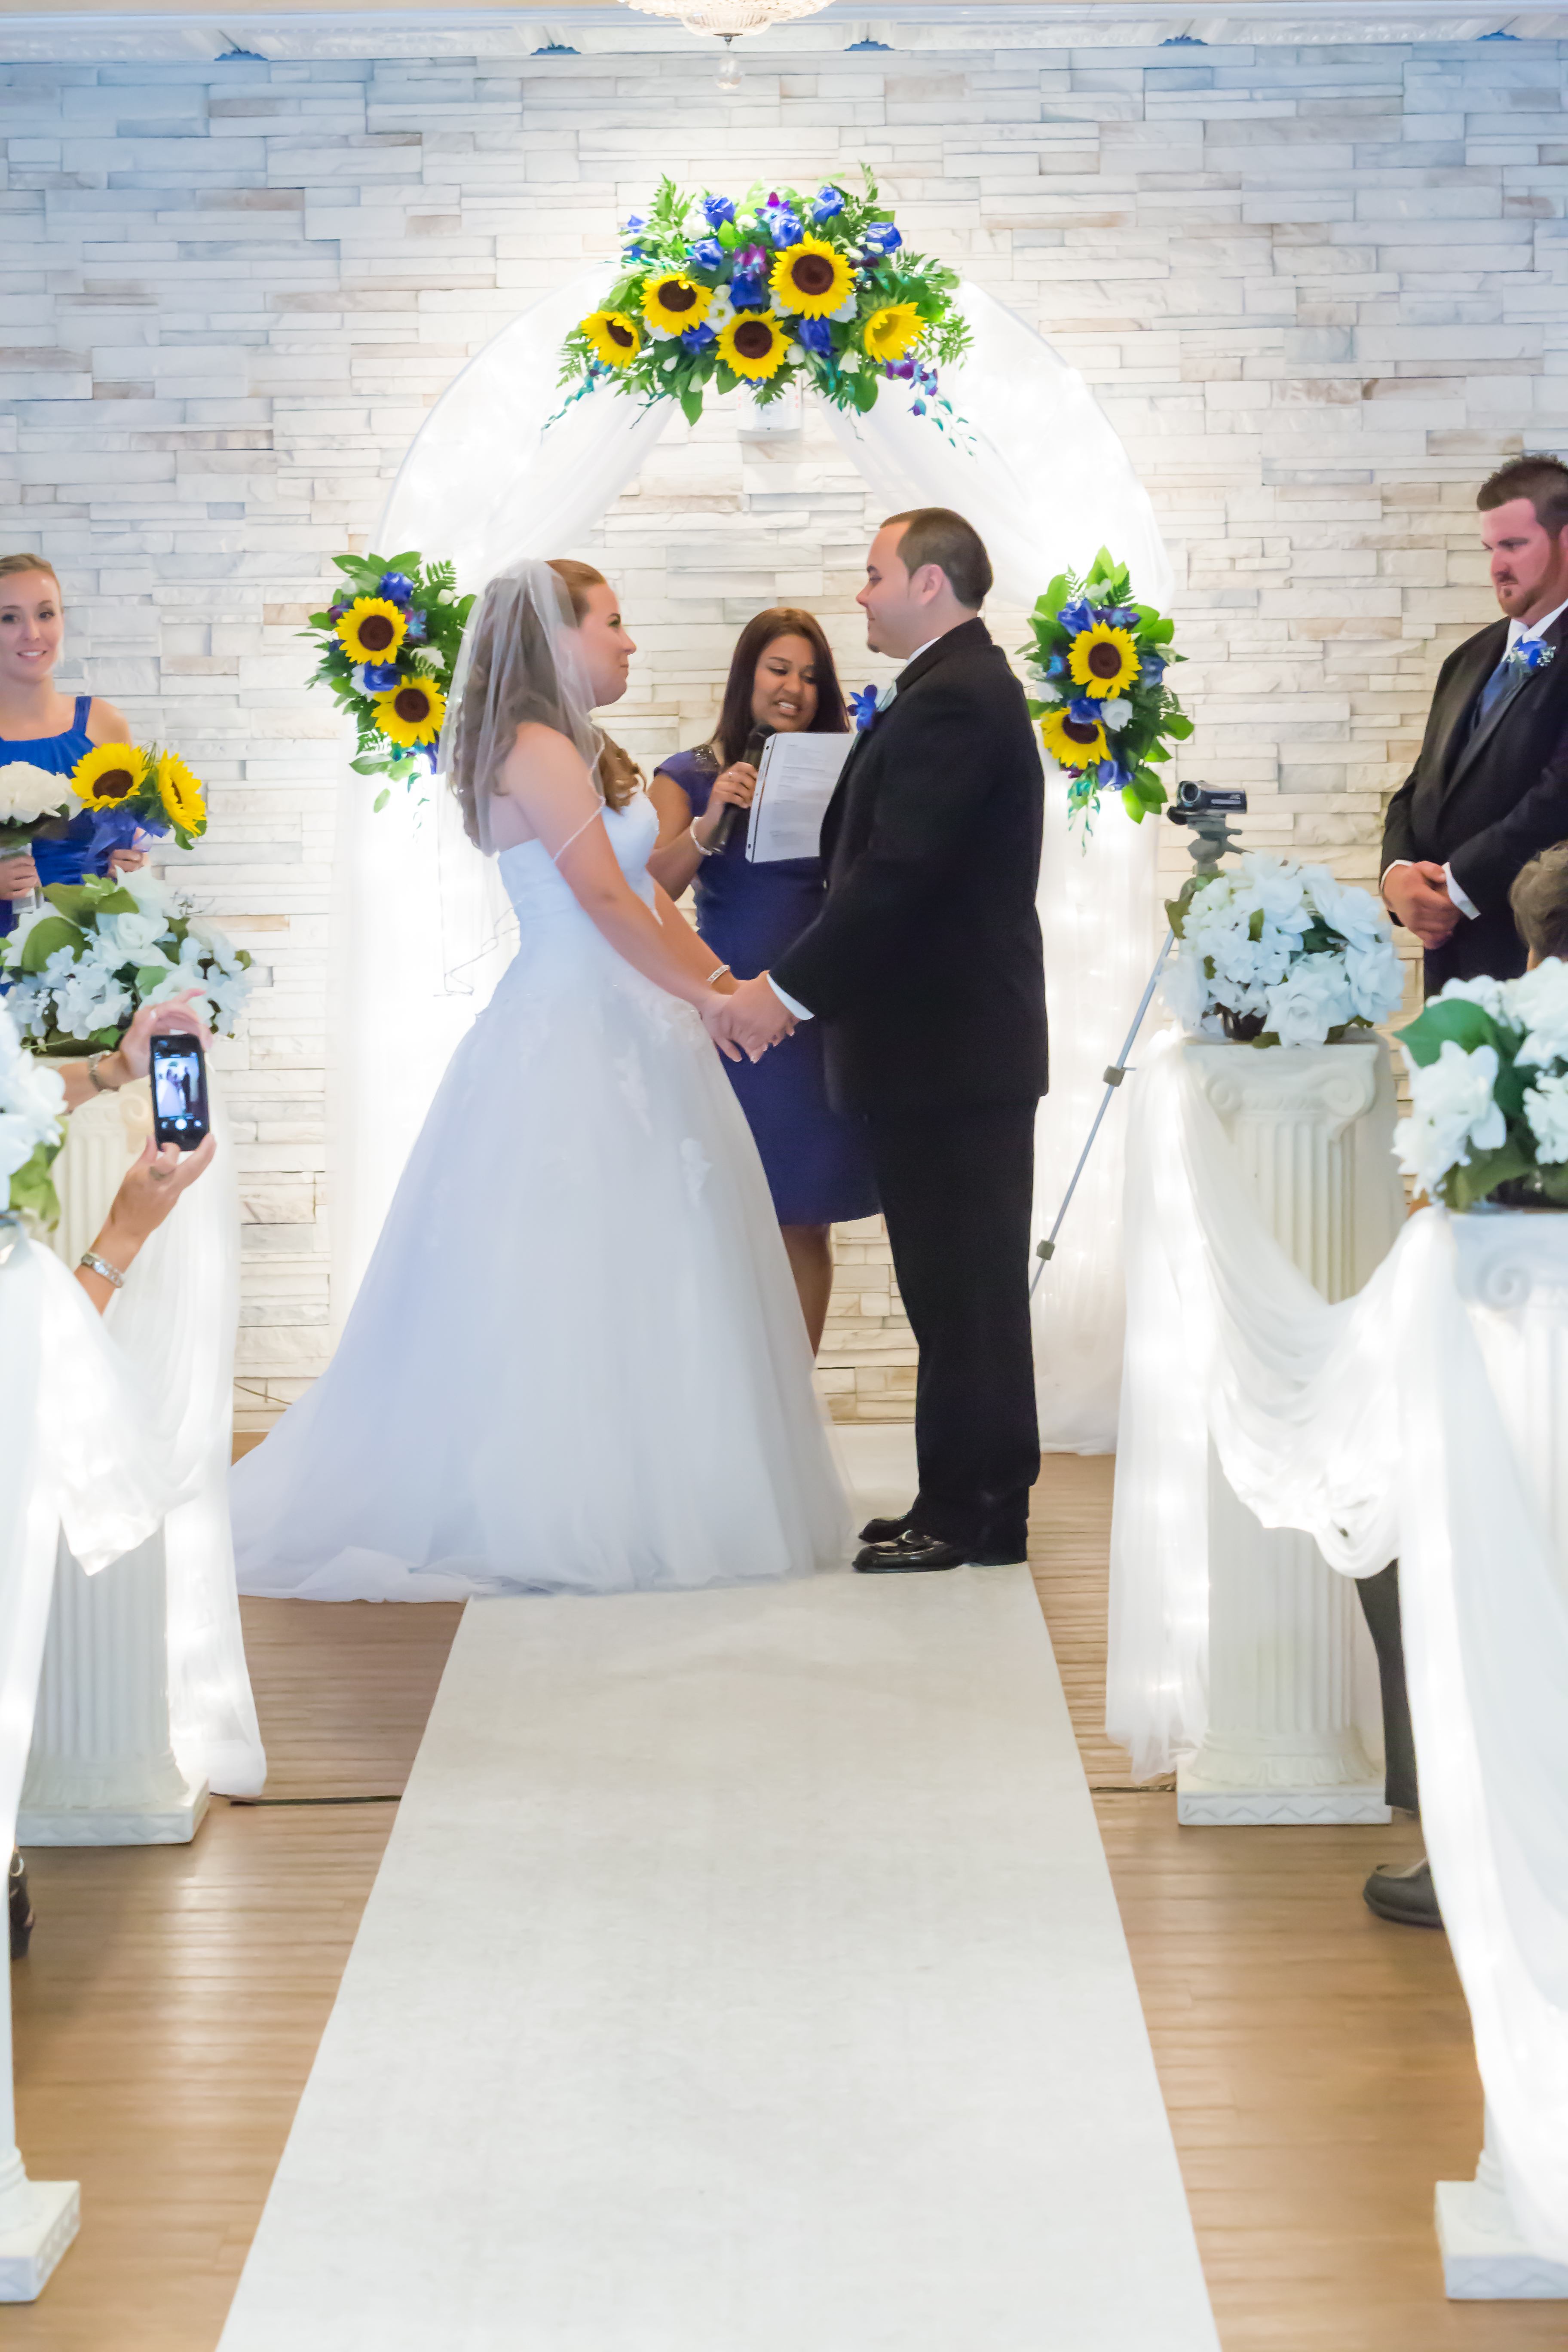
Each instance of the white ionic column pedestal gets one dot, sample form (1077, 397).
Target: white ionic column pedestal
(1513, 1274)
(1283, 1743)
(39, 2219)
(101, 1771)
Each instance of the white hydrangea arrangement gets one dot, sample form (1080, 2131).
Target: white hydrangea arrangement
(32, 1110)
(80, 964)
(1270, 952)
(1488, 1090)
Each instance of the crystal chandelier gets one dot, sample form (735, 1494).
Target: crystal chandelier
(727, 18)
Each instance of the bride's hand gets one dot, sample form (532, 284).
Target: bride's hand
(715, 1020)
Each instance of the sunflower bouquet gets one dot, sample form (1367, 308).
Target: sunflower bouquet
(1098, 662)
(78, 964)
(132, 790)
(388, 644)
(776, 290)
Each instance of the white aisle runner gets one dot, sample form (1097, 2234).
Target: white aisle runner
(743, 1975)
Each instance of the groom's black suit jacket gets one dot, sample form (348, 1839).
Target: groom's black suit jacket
(1482, 800)
(925, 963)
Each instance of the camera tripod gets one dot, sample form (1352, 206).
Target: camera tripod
(1206, 814)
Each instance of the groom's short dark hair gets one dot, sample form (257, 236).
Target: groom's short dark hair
(936, 535)
(1542, 480)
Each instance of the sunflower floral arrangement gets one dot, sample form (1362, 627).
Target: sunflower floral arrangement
(775, 290)
(388, 644)
(1489, 1092)
(1270, 952)
(1098, 662)
(77, 966)
(132, 790)
(32, 1126)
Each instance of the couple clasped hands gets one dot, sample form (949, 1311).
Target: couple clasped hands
(748, 1018)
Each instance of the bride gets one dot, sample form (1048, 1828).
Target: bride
(578, 1362)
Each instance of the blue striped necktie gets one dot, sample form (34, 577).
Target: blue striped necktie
(1492, 693)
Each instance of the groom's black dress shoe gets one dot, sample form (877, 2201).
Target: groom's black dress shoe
(884, 1530)
(914, 1552)
(1407, 1896)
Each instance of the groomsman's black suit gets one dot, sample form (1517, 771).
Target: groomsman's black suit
(926, 967)
(1485, 794)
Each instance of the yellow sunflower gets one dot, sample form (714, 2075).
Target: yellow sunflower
(1103, 659)
(1073, 742)
(372, 630)
(616, 338)
(108, 774)
(674, 302)
(754, 344)
(182, 794)
(891, 332)
(812, 278)
(412, 712)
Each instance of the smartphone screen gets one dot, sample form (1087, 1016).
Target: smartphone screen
(179, 1092)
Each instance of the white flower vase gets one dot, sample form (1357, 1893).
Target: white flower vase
(101, 1769)
(1283, 1742)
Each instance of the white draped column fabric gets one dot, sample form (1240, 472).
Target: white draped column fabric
(1037, 467)
(144, 1699)
(1423, 1418)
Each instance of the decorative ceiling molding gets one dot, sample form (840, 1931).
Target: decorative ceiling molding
(415, 29)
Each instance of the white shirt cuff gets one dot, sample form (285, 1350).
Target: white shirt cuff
(1465, 906)
(788, 1001)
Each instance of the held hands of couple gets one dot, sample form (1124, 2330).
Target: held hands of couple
(1419, 895)
(749, 1019)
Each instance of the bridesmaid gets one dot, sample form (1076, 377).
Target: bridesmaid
(781, 676)
(40, 725)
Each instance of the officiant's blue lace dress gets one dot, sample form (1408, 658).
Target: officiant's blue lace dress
(815, 1159)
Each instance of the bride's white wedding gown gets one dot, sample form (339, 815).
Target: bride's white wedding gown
(578, 1362)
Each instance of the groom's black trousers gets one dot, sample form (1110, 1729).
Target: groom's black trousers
(957, 1189)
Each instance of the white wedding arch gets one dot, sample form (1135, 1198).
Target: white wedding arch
(489, 478)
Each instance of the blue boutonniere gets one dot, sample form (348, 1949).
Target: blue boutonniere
(864, 705)
(1529, 653)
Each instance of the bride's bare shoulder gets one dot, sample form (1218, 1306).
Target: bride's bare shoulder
(542, 754)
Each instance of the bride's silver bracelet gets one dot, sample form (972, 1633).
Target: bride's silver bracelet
(717, 973)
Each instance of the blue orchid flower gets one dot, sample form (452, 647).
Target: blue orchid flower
(829, 205)
(336, 612)
(708, 252)
(864, 705)
(416, 629)
(717, 210)
(1055, 665)
(881, 238)
(1151, 670)
(636, 253)
(781, 220)
(816, 334)
(748, 293)
(697, 338)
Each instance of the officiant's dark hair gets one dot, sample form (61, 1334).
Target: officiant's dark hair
(729, 737)
(1542, 480)
(936, 535)
(1539, 900)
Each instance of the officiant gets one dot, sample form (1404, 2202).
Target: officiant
(781, 679)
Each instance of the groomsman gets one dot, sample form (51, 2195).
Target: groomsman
(1489, 790)
(925, 969)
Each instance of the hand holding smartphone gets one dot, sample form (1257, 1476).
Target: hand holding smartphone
(179, 1074)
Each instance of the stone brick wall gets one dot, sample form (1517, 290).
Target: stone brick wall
(1319, 291)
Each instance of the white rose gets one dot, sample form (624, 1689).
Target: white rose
(1546, 1109)
(1313, 998)
(1355, 914)
(1491, 995)
(1376, 980)
(850, 363)
(1453, 1108)
(126, 936)
(1537, 1001)
(1275, 884)
(1184, 988)
(1114, 714)
(26, 793)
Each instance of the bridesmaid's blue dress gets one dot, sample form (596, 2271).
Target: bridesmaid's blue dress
(814, 1157)
(64, 858)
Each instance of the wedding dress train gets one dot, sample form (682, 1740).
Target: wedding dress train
(577, 1361)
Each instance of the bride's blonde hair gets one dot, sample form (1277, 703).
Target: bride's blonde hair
(530, 695)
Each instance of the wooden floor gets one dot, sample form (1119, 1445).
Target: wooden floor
(1316, 2063)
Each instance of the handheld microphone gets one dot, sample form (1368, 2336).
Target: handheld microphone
(751, 754)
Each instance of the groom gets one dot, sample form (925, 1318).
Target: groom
(925, 968)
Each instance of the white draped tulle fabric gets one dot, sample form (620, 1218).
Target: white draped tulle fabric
(486, 483)
(85, 1454)
(1374, 1425)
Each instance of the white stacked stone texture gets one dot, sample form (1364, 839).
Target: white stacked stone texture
(1319, 291)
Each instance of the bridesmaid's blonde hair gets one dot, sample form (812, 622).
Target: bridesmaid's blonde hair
(11, 565)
